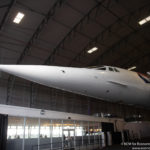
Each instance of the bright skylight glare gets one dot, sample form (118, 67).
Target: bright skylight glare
(145, 20)
(132, 68)
(92, 50)
(18, 18)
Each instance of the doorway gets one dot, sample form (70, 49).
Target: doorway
(69, 138)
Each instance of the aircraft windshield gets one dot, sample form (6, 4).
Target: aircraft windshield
(101, 68)
(105, 68)
(113, 69)
(98, 68)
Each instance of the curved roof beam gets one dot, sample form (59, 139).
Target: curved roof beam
(50, 59)
(35, 35)
(7, 13)
(124, 22)
(137, 58)
(117, 45)
(100, 35)
(23, 6)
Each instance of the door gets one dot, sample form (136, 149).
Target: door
(69, 138)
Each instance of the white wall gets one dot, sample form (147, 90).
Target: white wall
(138, 129)
(36, 113)
(119, 125)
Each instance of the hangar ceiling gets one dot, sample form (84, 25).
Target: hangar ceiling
(60, 32)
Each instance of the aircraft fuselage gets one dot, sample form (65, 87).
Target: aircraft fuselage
(106, 83)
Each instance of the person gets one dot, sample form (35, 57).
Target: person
(65, 141)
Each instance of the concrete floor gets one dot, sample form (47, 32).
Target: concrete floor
(119, 147)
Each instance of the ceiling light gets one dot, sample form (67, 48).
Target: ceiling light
(18, 18)
(148, 18)
(132, 68)
(142, 22)
(92, 50)
(145, 20)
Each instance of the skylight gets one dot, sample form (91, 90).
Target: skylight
(92, 50)
(18, 18)
(145, 20)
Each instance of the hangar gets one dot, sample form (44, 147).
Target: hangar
(75, 33)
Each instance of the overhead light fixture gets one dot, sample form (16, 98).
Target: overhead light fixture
(145, 20)
(92, 50)
(18, 18)
(132, 68)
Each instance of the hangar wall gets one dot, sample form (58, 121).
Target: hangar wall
(137, 130)
(37, 96)
(141, 129)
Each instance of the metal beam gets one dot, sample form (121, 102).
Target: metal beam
(7, 13)
(3, 6)
(125, 23)
(118, 44)
(82, 52)
(35, 35)
(115, 45)
(50, 59)
(100, 35)
(29, 8)
(129, 57)
(137, 58)
(1, 27)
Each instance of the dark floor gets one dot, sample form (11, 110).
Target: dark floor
(117, 147)
(146, 140)
(133, 147)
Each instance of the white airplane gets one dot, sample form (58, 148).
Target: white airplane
(105, 83)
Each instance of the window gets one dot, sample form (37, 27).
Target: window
(32, 128)
(116, 70)
(101, 68)
(57, 128)
(45, 128)
(15, 127)
(111, 69)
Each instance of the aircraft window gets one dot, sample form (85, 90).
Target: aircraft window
(116, 70)
(111, 69)
(102, 68)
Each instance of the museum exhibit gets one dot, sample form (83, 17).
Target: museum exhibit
(74, 74)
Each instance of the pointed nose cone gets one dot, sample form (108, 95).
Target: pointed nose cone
(19, 70)
(35, 73)
(51, 76)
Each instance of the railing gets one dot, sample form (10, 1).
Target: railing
(64, 146)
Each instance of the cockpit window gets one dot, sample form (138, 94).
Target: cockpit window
(101, 68)
(111, 69)
(116, 70)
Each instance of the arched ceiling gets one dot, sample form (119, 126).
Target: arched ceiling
(60, 32)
